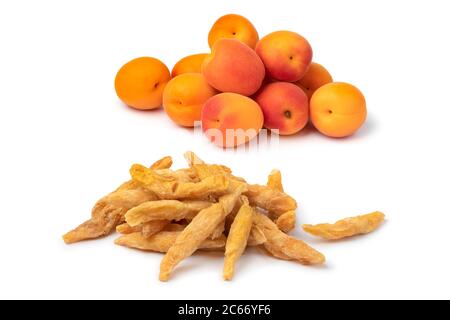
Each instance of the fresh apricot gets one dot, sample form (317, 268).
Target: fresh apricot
(184, 97)
(140, 83)
(338, 109)
(233, 26)
(230, 119)
(315, 77)
(285, 107)
(192, 63)
(233, 67)
(286, 55)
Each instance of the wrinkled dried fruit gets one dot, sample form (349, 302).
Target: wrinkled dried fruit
(230, 217)
(170, 188)
(162, 241)
(237, 239)
(256, 237)
(275, 202)
(197, 231)
(192, 158)
(286, 222)
(218, 231)
(152, 227)
(274, 180)
(182, 175)
(204, 171)
(125, 228)
(274, 251)
(108, 212)
(296, 249)
(346, 227)
(164, 209)
(163, 163)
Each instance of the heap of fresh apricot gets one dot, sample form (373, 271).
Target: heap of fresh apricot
(245, 83)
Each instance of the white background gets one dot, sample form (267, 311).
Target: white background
(66, 141)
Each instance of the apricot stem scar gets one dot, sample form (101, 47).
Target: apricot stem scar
(288, 114)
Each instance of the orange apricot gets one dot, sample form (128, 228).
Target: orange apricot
(140, 83)
(233, 26)
(315, 77)
(184, 97)
(285, 107)
(231, 119)
(192, 63)
(286, 55)
(233, 67)
(338, 109)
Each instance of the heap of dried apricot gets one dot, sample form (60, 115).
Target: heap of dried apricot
(205, 206)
